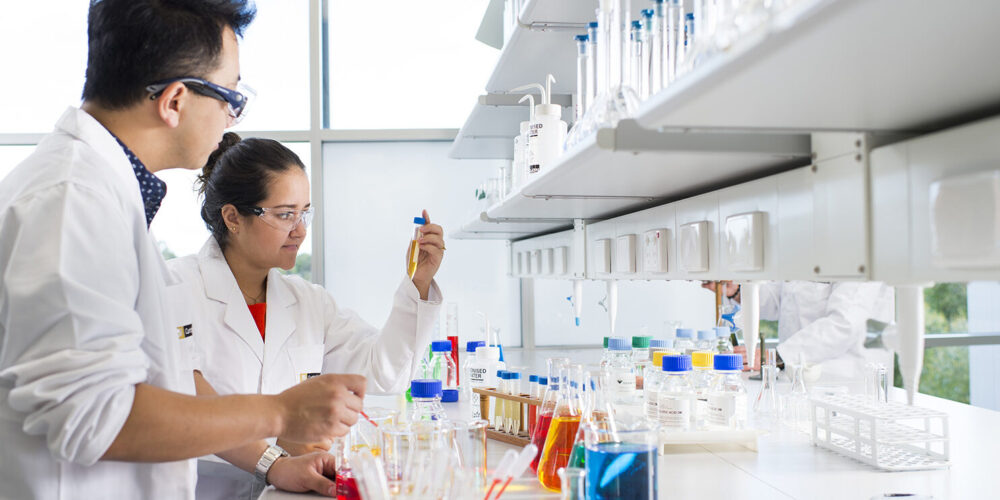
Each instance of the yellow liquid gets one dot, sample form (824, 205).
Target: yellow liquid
(558, 446)
(375, 450)
(414, 257)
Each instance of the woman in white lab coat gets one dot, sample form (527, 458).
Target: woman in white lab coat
(257, 330)
(824, 324)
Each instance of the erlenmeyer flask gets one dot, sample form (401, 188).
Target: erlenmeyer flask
(796, 404)
(597, 413)
(562, 432)
(548, 406)
(766, 411)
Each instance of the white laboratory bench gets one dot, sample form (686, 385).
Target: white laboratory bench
(786, 464)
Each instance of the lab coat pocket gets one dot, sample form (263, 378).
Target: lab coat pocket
(307, 361)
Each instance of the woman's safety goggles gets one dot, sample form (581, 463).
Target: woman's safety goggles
(285, 219)
(236, 100)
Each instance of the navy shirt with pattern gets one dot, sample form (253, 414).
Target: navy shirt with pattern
(151, 187)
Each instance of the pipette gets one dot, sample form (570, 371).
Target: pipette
(501, 470)
(520, 464)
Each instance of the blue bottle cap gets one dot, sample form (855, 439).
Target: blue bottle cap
(425, 388)
(658, 343)
(722, 331)
(573, 384)
(419, 220)
(543, 380)
(441, 346)
(636, 24)
(619, 344)
(532, 378)
(689, 16)
(706, 334)
(472, 345)
(582, 38)
(593, 24)
(728, 362)
(685, 333)
(647, 12)
(449, 396)
(676, 363)
(515, 375)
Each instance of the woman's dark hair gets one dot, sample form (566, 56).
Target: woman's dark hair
(238, 173)
(134, 43)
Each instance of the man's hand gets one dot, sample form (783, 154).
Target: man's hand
(729, 288)
(310, 472)
(295, 449)
(431, 254)
(321, 408)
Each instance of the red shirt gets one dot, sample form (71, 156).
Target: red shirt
(259, 312)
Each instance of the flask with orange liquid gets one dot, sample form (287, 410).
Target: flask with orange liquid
(548, 406)
(562, 430)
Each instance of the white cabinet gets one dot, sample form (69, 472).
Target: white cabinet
(936, 206)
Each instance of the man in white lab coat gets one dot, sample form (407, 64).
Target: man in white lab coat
(96, 386)
(824, 324)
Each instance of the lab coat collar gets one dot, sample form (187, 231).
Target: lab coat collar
(220, 285)
(81, 125)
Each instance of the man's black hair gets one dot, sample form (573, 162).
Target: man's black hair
(133, 43)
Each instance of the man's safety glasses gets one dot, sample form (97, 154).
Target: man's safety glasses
(236, 100)
(284, 219)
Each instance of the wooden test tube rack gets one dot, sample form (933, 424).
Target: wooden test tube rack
(503, 436)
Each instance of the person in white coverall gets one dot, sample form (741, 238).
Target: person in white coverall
(824, 324)
(256, 330)
(96, 382)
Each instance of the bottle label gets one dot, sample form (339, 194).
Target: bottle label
(624, 381)
(727, 410)
(674, 412)
(474, 403)
(652, 411)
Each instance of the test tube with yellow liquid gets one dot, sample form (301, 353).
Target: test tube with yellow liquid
(414, 255)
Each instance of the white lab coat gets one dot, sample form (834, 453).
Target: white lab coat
(306, 333)
(84, 316)
(825, 323)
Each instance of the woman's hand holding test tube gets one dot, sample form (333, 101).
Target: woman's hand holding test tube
(431, 244)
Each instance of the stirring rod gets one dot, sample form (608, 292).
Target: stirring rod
(517, 468)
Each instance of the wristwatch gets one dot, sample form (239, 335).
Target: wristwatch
(271, 454)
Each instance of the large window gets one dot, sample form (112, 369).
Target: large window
(372, 192)
(402, 64)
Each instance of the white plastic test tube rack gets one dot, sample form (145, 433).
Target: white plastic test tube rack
(890, 436)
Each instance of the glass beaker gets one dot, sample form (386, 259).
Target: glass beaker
(365, 433)
(412, 451)
(574, 483)
(469, 442)
(622, 462)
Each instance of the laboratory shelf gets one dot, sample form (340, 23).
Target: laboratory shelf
(485, 228)
(852, 65)
(627, 168)
(489, 130)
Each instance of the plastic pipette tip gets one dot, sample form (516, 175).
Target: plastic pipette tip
(517, 468)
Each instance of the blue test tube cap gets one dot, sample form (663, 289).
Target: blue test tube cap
(727, 362)
(532, 378)
(685, 333)
(636, 25)
(689, 16)
(706, 334)
(500, 373)
(449, 396)
(425, 388)
(677, 363)
(582, 38)
(472, 345)
(543, 380)
(515, 375)
(419, 220)
(658, 343)
(441, 346)
(647, 12)
(593, 24)
(619, 344)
